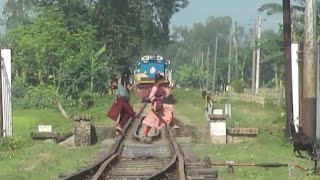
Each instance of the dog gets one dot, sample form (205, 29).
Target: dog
(302, 142)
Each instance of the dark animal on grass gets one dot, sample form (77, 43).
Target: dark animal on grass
(302, 142)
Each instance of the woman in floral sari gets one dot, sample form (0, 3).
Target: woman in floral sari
(158, 108)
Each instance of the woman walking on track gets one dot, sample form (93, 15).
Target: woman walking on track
(121, 105)
(158, 108)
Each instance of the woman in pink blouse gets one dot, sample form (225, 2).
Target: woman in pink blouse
(165, 111)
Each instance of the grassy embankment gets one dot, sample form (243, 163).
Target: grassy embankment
(266, 147)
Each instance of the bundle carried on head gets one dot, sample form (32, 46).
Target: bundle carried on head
(158, 77)
(125, 75)
(125, 72)
(203, 94)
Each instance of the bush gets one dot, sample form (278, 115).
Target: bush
(87, 99)
(238, 86)
(11, 143)
(36, 98)
(19, 89)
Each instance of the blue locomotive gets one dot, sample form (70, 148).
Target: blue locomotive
(148, 67)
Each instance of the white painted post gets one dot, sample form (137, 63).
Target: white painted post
(6, 92)
(218, 129)
(295, 84)
(227, 110)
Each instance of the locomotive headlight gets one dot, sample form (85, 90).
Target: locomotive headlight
(152, 70)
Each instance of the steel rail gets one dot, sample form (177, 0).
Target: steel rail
(91, 170)
(177, 160)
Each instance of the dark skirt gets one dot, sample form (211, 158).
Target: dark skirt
(121, 107)
(115, 109)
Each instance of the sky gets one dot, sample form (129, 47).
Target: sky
(241, 11)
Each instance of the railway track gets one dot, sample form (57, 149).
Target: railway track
(132, 156)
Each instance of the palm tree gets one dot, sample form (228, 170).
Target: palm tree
(297, 16)
(276, 8)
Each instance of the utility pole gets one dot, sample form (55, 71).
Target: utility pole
(288, 72)
(201, 71)
(208, 68)
(236, 48)
(230, 57)
(253, 72)
(309, 90)
(202, 56)
(1, 105)
(258, 56)
(215, 63)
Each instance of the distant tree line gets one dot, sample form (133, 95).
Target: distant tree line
(193, 54)
(70, 48)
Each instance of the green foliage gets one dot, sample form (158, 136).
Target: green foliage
(190, 43)
(76, 45)
(190, 76)
(19, 89)
(238, 86)
(87, 99)
(10, 144)
(37, 98)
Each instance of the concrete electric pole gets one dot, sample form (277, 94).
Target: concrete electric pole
(230, 56)
(215, 63)
(258, 56)
(309, 90)
(254, 52)
(287, 58)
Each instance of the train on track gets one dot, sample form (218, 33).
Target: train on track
(147, 67)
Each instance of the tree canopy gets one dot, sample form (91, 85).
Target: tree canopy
(75, 46)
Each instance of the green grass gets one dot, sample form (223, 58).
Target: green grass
(26, 121)
(39, 160)
(189, 105)
(247, 114)
(42, 161)
(265, 148)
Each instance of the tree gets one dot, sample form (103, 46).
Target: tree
(75, 45)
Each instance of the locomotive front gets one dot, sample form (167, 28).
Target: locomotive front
(148, 67)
